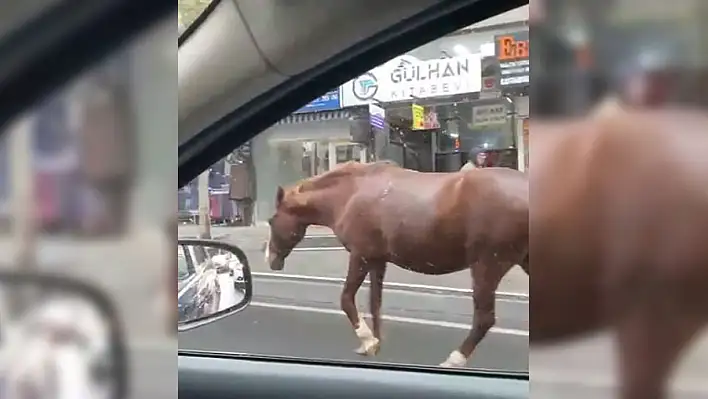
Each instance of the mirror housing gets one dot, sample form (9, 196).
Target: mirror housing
(213, 282)
(52, 325)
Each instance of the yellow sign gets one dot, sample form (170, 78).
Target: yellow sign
(418, 117)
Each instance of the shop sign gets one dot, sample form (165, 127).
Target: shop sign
(488, 115)
(424, 119)
(512, 52)
(489, 75)
(431, 119)
(326, 102)
(418, 117)
(377, 116)
(406, 78)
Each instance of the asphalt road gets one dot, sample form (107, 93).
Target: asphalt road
(304, 320)
(587, 369)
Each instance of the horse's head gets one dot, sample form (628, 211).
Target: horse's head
(287, 226)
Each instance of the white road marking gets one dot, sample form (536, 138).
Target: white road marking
(320, 236)
(522, 297)
(409, 320)
(267, 251)
(318, 249)
(399, 291)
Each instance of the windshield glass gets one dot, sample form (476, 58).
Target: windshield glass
(460, 98)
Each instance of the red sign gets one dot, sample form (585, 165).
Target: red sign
(512, 49)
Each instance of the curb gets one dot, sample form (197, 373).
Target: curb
(219, 237)
(427, 289)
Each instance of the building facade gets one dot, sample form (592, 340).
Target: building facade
(427, 110)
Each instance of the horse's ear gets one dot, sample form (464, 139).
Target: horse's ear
(279, 196)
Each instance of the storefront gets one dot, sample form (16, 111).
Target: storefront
(512, 73)
(435, 112)
(435, 116)
(302, 145)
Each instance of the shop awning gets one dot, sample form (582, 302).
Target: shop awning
(316, 117)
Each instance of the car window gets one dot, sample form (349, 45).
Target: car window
(86, 175)
(461, 98)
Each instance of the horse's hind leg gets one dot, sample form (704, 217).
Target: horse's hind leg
(651, 340)
(485, 280)
(377, 272)
(356, 274)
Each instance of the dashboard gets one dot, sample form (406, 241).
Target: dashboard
(215, 376)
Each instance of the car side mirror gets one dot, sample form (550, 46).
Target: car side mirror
(213, 282)
(59, 336)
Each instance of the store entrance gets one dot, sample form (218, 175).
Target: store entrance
(319, 156)
(413, 147)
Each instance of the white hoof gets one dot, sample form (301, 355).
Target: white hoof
(455, 360)
(369, 348)
(369, 343)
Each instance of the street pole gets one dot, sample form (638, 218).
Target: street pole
(204, 211)
(22, 206)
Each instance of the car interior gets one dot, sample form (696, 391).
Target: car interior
(244, 65)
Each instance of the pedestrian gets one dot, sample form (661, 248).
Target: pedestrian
(470, 164)
(475, 160)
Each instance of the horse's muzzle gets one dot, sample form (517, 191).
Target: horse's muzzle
(276, 263)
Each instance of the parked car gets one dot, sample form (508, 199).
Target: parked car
(229, 263)
(199, 291)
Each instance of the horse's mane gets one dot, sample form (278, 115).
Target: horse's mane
(331, 177)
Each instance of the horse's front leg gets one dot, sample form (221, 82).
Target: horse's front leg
(485, 280)
(377, 272)
(651, 339)
(356, 274)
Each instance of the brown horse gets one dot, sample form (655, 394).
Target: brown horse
(429, 223)
(619, 219)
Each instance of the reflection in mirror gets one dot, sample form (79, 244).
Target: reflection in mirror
(57, 343)
(211, 282)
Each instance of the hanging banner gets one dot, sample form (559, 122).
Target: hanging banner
(431, 119)
(488, 115)
(418, 117)
(490, 76)
(377, 116)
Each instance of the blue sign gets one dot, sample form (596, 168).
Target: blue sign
(325, 102)
(377, 116)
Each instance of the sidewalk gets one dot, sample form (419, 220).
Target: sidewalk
(248, 237)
